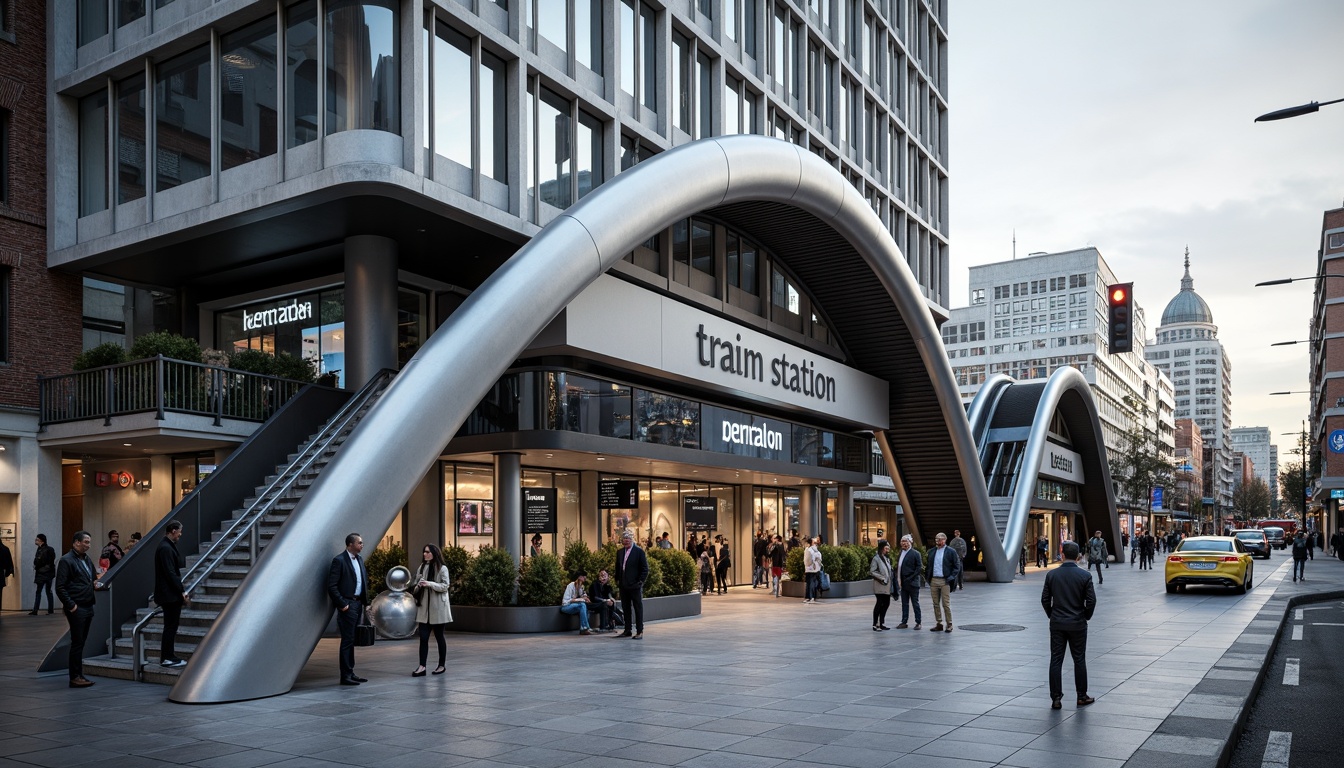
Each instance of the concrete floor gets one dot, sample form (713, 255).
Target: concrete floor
(756, 682)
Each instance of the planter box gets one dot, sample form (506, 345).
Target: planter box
(548, 618)
(839, 589)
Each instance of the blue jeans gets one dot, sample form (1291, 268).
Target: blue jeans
(579, 608)
(811, 580)
(1299, 569)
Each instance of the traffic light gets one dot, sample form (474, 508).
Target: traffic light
(1120, 317)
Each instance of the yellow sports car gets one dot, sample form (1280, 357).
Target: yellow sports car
(1214, 560)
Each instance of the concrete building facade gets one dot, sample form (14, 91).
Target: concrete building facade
(1257, 443)
(1326, 441)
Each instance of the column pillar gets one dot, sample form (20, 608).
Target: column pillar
(509, 503)
(370, 307)
(810, 510)
(844, 513)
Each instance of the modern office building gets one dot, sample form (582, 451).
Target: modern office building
(39, 309)
(1325, 438)
(1256, 442)
(334, 179)
(1187, 349)
(1188, 472)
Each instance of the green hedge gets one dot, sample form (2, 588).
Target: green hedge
(490, 578)
(540, 581)
(844, 562)
(380, 562)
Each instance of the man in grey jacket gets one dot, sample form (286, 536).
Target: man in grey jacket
(958, 545)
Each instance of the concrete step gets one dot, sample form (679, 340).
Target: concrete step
(120, 669)
(191, 617)
(183, 649)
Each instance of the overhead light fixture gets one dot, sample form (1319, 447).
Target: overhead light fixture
(128, 445)
(601, 458)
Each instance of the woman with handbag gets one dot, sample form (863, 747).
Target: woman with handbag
(432, 610)
(880, 570)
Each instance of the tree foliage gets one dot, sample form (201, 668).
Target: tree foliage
(1251, 500)
(1138, 466)
(1291, 489)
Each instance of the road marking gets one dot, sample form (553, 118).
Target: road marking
(1298, 615)
(1277, 750)
(1325, 624)
(1290, 672)
(1297, 631)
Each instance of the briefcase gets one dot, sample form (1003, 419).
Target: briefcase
(364, 634)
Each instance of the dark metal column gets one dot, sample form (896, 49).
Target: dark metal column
(370, 307)
(509, 503)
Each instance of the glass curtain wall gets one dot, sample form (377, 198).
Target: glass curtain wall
(248, 111)
(776, 511)
(182, 119)
(130, 145)
(301, 74)
(450, 96)
(362, 66)
(93, 153)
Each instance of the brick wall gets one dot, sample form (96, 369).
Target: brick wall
(45, 306)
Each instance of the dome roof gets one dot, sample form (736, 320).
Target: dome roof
(1187, 306)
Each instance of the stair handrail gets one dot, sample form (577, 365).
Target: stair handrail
(253, 514)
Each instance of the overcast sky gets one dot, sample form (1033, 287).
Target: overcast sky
(1128, 127)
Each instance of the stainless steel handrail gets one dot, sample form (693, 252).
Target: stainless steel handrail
(256, 511)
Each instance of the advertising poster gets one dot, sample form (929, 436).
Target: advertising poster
(539, 510)
(702, 513)
(487, 518)
(468, 517)
(618, 494)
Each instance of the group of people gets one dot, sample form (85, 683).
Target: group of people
(1144, 547)
(768, 556)
(906, 575)
(713, 559)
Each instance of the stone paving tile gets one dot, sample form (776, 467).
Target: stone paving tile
(964, 750)
(1035, 758)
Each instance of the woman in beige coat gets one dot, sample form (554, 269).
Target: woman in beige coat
(432, 610)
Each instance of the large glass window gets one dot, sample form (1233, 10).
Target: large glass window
(702, 246)
(732, 106)
(182, 119)
(681, 82)
(554, 160)
(93, 153)
(129, 10)
(593, 407)
(362, 66)
(247, 99)
(131, 139)
(452, 95)
(629, 55)
(301, 74)
(666, 420)
(588, 33)
(493, 119)
(92, 20)
(553, 23)
(741, 264)
(639, 49)
(704, 105)
(590, 160)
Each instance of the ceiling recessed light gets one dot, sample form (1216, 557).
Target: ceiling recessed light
(128, 445)
(601, 458)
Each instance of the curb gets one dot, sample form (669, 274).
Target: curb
(1204, 729)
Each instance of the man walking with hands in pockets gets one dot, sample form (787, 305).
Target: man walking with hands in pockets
(1069, 600)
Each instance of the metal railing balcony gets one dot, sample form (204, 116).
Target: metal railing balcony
(161, 385)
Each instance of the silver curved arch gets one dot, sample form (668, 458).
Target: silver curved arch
(981, 411)
(1064, 380)
(389, 453)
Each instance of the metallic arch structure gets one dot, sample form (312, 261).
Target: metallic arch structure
(395, 445)
(1005, 404)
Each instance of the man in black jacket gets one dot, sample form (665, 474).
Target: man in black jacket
(6, 568)
(1069, 600)
(942, 571)
(347, 583)
(44, 571)
(908, 568)
(169, 593)
(632, 570)
(76, 579)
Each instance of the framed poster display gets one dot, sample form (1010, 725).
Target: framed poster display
(487, 518)
(468, 518)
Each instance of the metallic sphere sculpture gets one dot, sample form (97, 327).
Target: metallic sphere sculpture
(393, 611)
(398, 579)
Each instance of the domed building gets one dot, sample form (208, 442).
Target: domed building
(1188, 350)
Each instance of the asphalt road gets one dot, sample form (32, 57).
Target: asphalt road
(1295, 721)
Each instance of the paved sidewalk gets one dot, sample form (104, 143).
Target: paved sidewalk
(756, 682)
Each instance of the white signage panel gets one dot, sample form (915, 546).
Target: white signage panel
(1061, 464)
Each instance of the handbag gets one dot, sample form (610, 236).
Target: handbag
(825, 581)
(365, 634)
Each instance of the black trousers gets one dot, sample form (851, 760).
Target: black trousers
(172, 619)
(437, 629)
(1096, 564)
(632, 605)
(605, 613)
(37, 596)
(909, 595)
(1076, 640)
(346, 621)
(1299, 569)
(80, 621)
(722, 575)
(1041, 558)
(880, 609)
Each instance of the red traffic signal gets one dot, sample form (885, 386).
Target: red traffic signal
(1120, 317)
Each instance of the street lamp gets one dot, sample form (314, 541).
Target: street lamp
(1290, 343)
(1298, 111)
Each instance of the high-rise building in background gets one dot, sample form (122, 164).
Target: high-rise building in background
(1325, 427)
(1256, 442)
(1029, 316)
(1187, 349)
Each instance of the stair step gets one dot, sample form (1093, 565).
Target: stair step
(120, 669)
(183, 649)
(153, 633)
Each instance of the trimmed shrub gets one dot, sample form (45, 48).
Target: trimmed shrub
(793, 564)
(253, 361)
(380, 562)
(216, 357)
(605, 559)
(853, 565)
(458, 561)
(679, 570)
(490, 578)
(289, 366)
(540, 581)
(654, 586)
(170, 345)
(578, 557)
(107, 353)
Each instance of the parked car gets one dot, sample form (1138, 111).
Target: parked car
(1220, 561)
(1255, 542)
(1275, 536)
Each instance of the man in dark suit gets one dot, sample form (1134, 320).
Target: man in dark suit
(347, 583)
(169, 593)
(6, 568)
(76, 579)
(908, 569)
(44, 572)
(1069, 600)
(632, 570)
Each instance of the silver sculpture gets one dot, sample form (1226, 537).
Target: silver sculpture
(393, 611)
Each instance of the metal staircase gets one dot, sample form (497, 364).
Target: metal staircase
(216, 572)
